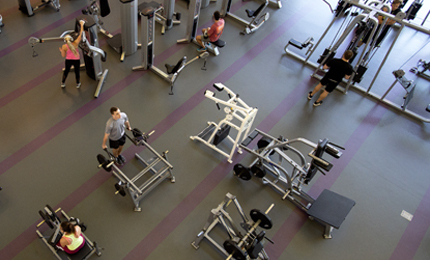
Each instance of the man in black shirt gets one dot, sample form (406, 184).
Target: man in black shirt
(337, 70)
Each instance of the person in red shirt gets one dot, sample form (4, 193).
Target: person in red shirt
(211, 34)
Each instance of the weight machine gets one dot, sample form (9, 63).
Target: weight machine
(276, 3)
(277, 169)
(408, 85)
(239, 116)
(125, 43)
(421, 68)
(163, 14)
(192, 26)
(26, 8)
(148, 56)
(137, 193)
(93, 55)
(239, 246)
(53, 221)
(258, 16)
(94, 11)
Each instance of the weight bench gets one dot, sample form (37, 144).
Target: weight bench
(256, 16)
(300, 45)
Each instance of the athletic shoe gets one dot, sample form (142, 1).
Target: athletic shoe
(310, 96)
(63, 85)
(78, 85)
(122, 158)
(317, 103)
(202, 49)
(119, 161)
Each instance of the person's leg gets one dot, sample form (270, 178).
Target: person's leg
(68, 65)
(77, 66)
(322, 96)
(316, 89)
(121, 142)
(199, 40)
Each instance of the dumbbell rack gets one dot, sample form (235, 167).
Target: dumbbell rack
(137, 193)
(329, 209)
(238, 246)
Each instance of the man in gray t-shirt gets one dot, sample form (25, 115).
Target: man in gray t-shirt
(115, 132)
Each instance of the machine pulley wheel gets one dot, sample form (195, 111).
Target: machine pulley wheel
(232, 248)
(103, 162)
(265, 221)
(242, 172)
(47, 219)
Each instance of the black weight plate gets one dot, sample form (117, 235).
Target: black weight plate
(258, 171)
(47, 219)
(265, 221)
(232, 248)
(101, 159)
(117, 186)
(263, 142)
(242, 172)
(122, 192)
(53, 212)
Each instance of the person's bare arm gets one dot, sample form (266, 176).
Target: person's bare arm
(105, 138)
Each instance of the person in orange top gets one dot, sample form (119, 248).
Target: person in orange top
(212, 33)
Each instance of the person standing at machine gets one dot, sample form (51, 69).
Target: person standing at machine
(211, 34)
(337, 70)
(115, 132)
(388, 24)
(70, 51)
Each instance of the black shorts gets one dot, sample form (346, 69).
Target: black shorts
(329, 84)
(116, 144)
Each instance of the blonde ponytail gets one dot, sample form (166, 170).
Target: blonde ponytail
(68, 39)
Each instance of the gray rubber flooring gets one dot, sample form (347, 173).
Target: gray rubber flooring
(50, 139)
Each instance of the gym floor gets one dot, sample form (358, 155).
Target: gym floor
(50, 138)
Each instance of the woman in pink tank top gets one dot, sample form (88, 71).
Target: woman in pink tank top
(71, 53)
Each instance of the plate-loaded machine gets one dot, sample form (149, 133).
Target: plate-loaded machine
(239, 246)
(239, 116)
(93, 55)
(192, 26)
(26, 8)
(137, 193)
(53, 221)
(164, 14)
(94, 10)
(330, 209)
(148, 44)
(258, 16)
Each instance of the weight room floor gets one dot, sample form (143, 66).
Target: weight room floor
(50, 139)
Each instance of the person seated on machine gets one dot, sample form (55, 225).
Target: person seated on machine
(72, 240)
(211, 34)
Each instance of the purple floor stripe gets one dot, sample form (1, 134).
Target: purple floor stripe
(413, 235)
(39, 33)
(298, 218)
(177, 215)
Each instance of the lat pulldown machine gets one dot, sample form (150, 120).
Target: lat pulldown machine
(159, 174)
(239, 116)
(330, 209)
(239, 246)
(148, 56)
(93, 55)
